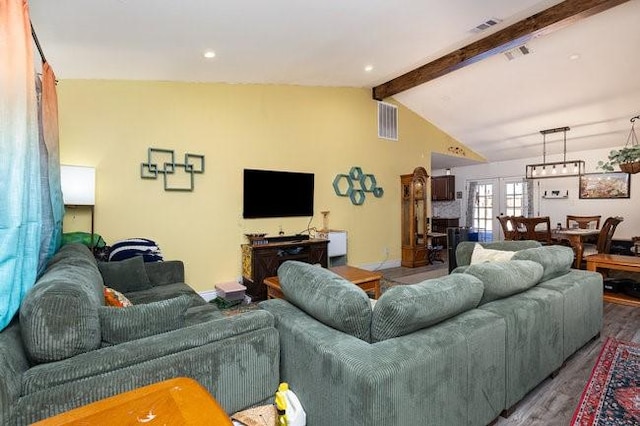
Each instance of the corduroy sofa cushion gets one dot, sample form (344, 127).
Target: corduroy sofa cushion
(59, 314)
(125, 275)
(135, 322)
(404, 309)
(502, 279)
(556, 260)
(327, 297)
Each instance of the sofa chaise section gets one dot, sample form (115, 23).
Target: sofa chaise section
(582, 307)
(581, 290)
(547, 323)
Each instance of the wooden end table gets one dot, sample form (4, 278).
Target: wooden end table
(366, 280)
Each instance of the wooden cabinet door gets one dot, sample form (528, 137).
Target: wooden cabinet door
(319, 254)
(262, 261)
(443, 188)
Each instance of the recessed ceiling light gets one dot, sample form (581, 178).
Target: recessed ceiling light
(574, 57)
(368, 68)
(209, 54)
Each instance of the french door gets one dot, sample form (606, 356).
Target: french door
(495, 197)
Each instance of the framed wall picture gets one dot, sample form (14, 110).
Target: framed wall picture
(604, 185)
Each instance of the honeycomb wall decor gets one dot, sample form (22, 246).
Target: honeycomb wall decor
(163, 162)
(355, 184)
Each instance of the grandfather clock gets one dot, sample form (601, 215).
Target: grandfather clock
(414, 218)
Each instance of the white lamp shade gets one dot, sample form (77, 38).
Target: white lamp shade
(78, 185)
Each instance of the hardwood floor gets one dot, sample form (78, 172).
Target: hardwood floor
(401, 271)
(554, 400)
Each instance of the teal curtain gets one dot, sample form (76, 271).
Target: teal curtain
(23, 228)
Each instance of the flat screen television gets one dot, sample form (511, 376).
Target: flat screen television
(272, 193)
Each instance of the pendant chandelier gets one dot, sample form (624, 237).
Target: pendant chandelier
(556, 168)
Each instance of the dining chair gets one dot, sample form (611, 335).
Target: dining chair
(604, 238)
(583, 221)
(508, 227)
(636, 245)
(534, 228)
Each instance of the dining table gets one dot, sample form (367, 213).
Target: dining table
(576, 238)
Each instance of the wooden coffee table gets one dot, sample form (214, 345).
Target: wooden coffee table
(366, 280)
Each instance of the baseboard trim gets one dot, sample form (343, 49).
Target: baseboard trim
(381, 265)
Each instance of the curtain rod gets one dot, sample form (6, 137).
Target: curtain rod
(37, 42)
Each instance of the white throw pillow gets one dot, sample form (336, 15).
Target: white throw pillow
(483, 255)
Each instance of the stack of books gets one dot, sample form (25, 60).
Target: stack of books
(229, 294)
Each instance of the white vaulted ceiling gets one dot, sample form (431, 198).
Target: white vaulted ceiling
(496, 107)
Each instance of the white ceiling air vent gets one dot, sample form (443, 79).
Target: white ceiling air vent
(517, 52)
(486, 24)
(387, 121)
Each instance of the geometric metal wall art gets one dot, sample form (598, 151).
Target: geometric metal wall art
(163, 162)
(355, 184)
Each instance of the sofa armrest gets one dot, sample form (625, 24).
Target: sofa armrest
(111, 358)
(167, 272)
(13, 363)
(239, 372)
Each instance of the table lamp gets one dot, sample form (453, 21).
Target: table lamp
(79, 188)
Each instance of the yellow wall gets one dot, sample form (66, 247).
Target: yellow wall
(111, 124)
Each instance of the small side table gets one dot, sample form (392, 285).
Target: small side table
(366, 280)
(180, 401)
(435, 251)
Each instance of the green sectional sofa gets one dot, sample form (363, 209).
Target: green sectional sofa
(457, 350)
(66, 349)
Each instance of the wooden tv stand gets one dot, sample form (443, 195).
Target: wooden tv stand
(260, 261)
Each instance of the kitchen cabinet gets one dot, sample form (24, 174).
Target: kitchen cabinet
(443, 188)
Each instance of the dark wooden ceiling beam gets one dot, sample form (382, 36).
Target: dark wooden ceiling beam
(559, 16)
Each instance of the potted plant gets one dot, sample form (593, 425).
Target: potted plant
(627, 158)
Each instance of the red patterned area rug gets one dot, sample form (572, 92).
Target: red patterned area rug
(612, 396)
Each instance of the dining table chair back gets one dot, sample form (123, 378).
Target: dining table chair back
(583, 222)
(603, 245)
(534, 228)
(606, 234)
(508, 226)
(636, 245)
